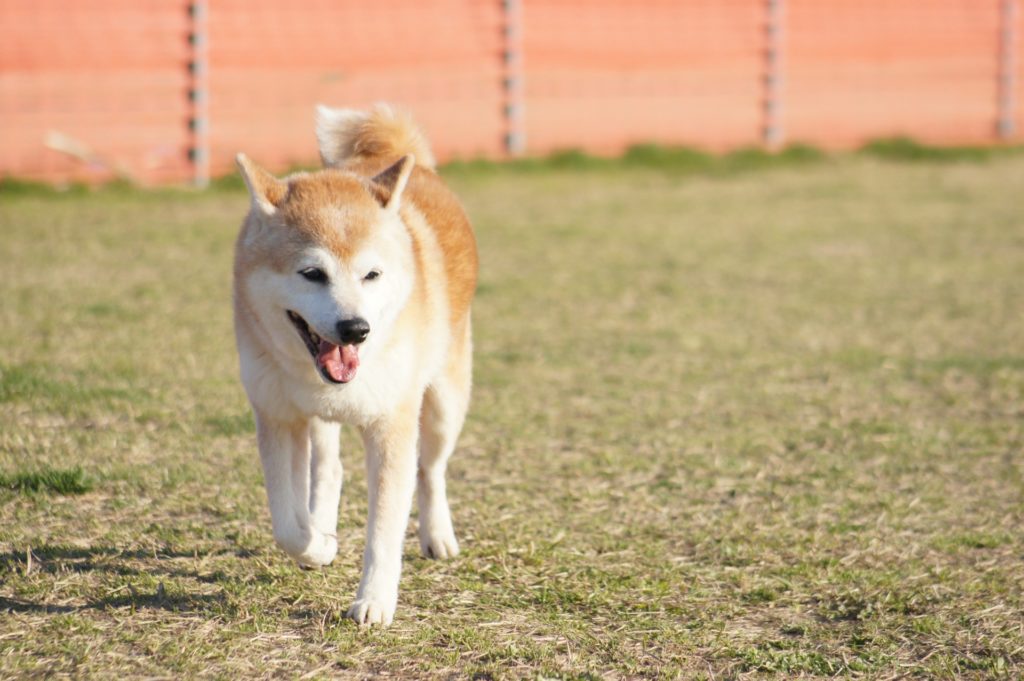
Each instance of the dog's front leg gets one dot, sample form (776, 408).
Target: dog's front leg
(391, 479)
(284, 453)
(325, 475)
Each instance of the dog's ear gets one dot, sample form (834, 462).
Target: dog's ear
(391, 182)
(266, 191)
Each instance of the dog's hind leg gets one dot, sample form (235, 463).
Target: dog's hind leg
(325, 475)
(285, 455)
(444, 411)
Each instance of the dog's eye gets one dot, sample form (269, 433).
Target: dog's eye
(314, 274)
(371, 275)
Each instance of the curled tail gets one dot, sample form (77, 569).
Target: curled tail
(349, 136)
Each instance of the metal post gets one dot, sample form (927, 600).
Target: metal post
(198, 94)
(1005, 124)
(772, 133)
(515, 129)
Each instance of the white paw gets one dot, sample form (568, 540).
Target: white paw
(439, 544)
(370, 611)
(319, 550)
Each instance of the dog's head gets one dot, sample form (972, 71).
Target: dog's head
(325, 263)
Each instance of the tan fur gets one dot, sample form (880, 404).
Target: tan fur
(445, 215)
(332, 208)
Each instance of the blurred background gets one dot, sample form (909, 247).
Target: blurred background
(167, 91)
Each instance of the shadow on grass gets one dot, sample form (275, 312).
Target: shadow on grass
(53, 559)
(153, 566)
(184, 602)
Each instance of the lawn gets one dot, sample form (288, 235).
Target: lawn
(733, 423)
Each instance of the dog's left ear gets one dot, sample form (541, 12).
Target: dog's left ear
(391, 182)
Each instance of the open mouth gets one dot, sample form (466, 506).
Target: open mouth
(336, 363)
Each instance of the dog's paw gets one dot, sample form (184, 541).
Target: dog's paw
(318, 552)
(438, 544)
(370, 611)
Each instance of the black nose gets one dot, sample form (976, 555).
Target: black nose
(353, 330)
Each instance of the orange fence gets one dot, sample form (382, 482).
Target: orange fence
(171, 90)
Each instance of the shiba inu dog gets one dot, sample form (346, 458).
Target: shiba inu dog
(352, 292)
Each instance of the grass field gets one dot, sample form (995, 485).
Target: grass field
(727, 424)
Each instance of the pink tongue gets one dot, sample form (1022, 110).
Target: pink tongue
(339, 361)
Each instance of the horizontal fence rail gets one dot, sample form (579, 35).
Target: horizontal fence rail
(171, 91)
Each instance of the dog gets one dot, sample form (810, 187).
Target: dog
(352, 293)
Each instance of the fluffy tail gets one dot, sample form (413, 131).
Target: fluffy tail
(346, 135)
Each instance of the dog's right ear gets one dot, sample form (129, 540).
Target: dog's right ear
(266, 191)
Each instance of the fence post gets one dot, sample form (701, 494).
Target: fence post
(1005, 125)
(772, 132)
(513, 104)
(198, 94)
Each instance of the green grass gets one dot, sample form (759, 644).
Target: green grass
(52, 480)
(906, 149)
(725, 425)
(667, 160)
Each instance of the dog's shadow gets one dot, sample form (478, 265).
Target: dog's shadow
(162, 601)
(57, 559)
